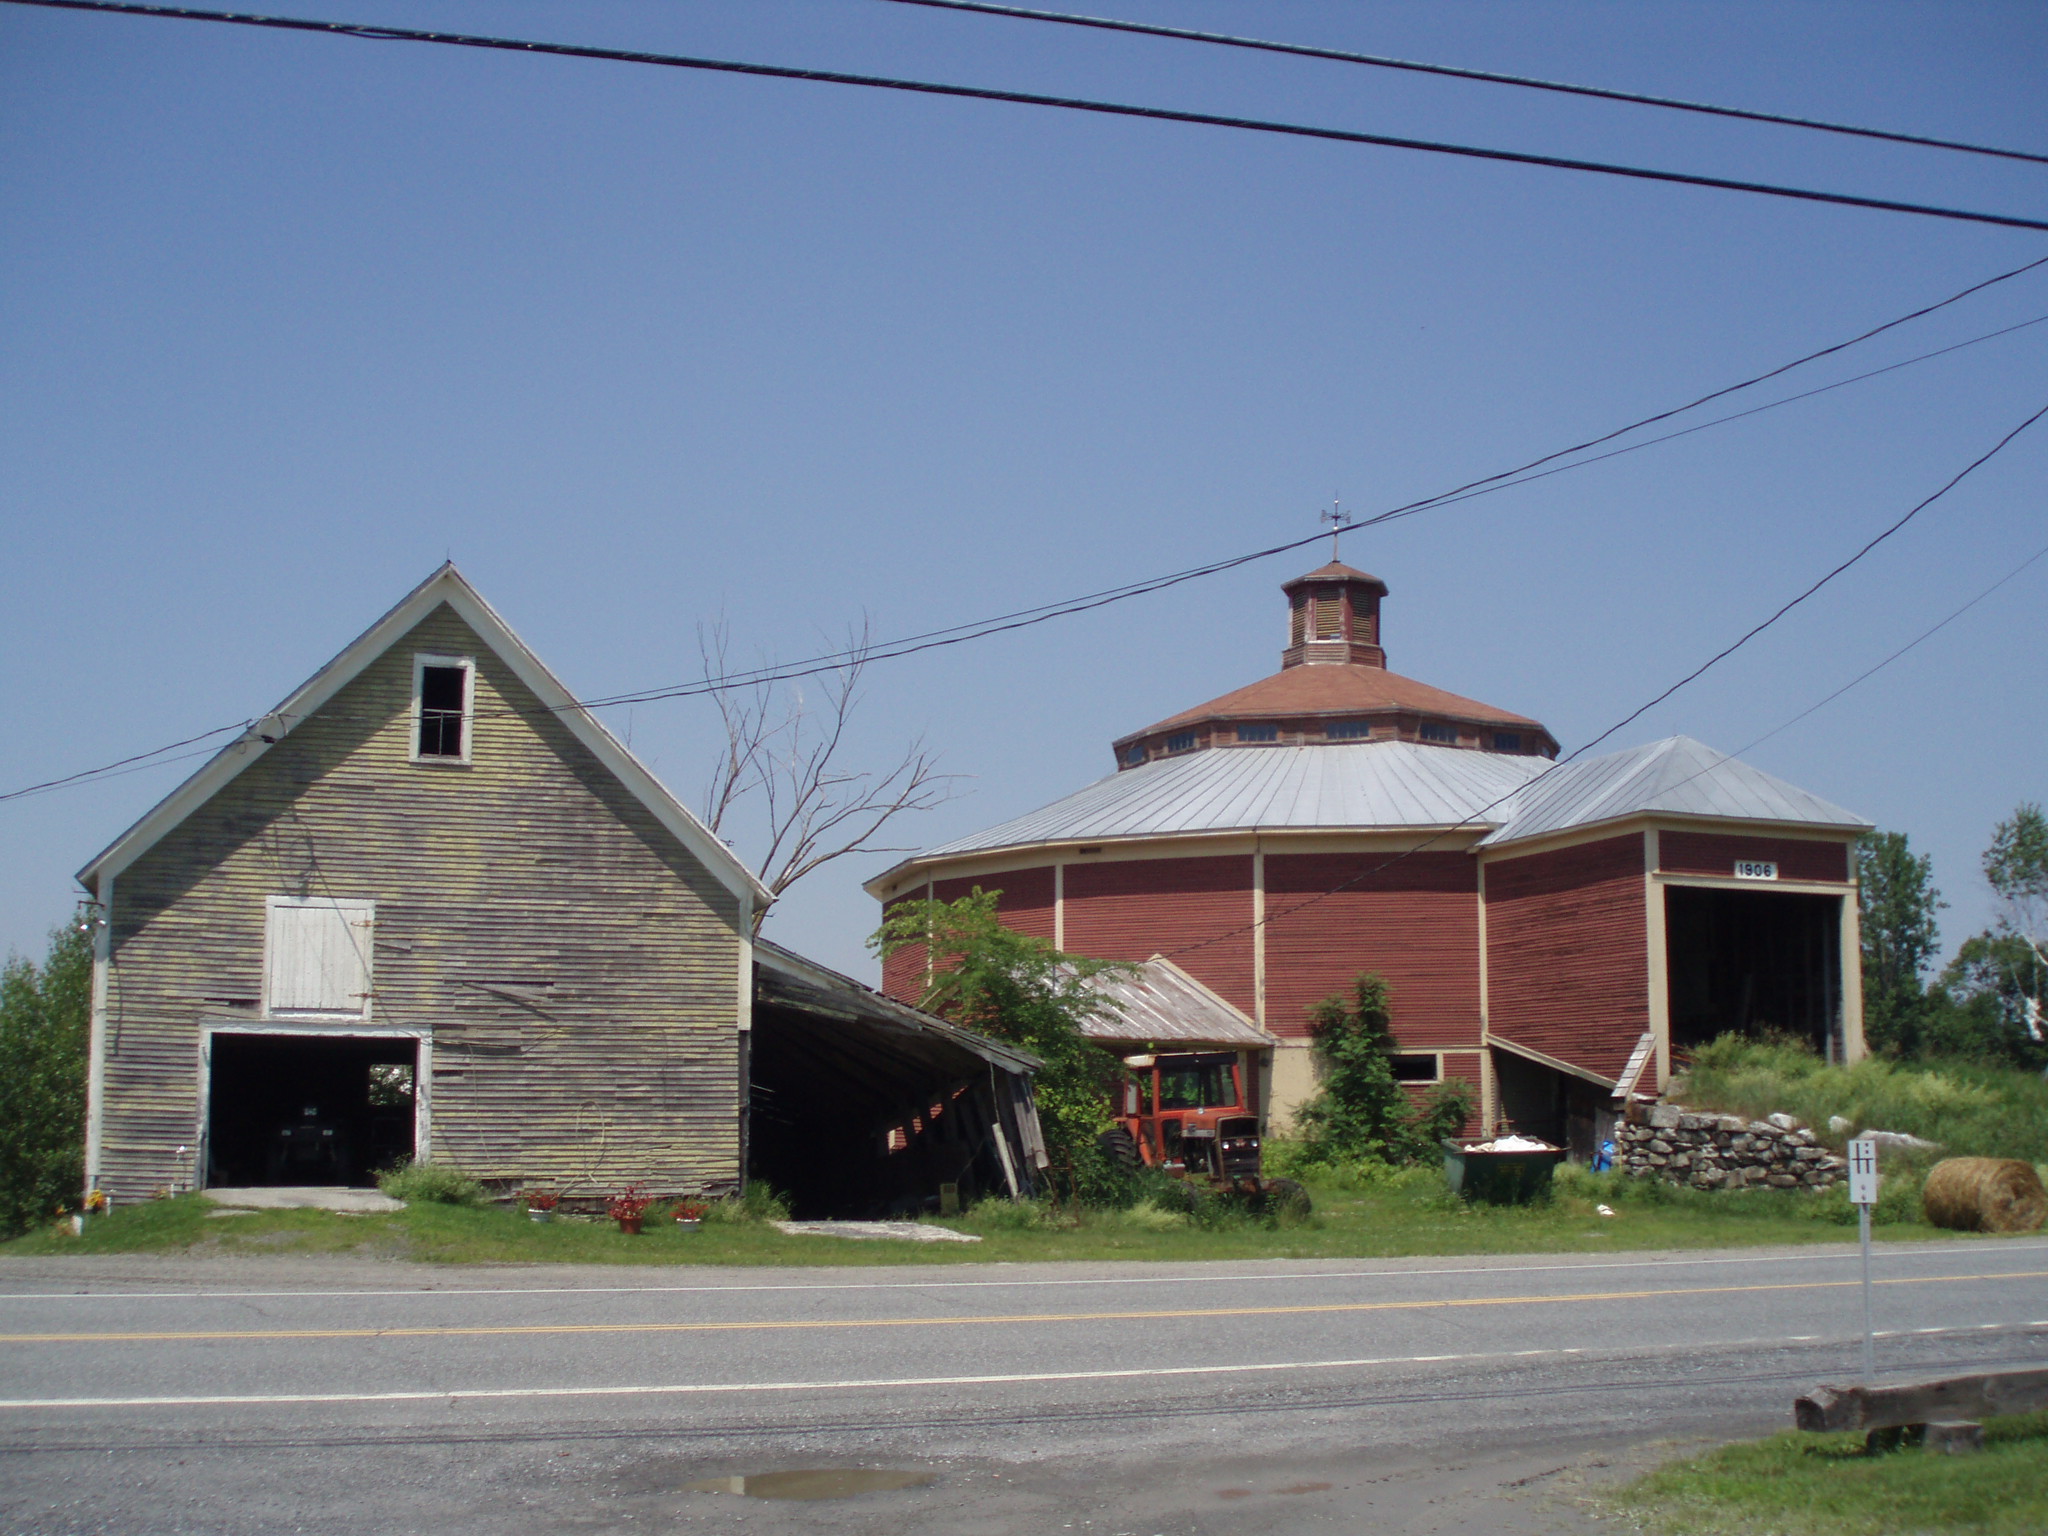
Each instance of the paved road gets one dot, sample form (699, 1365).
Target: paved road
(1423, 1395)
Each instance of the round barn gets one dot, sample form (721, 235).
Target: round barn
(1554, 935)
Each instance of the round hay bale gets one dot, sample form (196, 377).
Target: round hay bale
(1985, 1194)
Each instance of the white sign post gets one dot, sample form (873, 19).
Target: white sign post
(1863, 1195)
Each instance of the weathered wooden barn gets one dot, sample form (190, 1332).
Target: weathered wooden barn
(428, 906)
(1552, 935)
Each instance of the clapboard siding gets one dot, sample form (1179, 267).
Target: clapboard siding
(1414, 920)
(1023, 897)
(532, 865)
(1715, 853)
(1197, 912)
(1567, 952)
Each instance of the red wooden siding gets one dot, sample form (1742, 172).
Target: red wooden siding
(1715, 853)
(1024, 900)
(903, 974)
(1416, 923)
(1134, 910)
(1567, 952)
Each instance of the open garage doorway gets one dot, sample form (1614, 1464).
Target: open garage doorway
(1754, 963)
(308, 1109)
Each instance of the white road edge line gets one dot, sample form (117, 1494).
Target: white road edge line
(692, 1389)
(423, 1292)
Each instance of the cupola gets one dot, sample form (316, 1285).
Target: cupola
(1333, 616)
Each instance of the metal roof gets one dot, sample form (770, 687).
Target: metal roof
(1160, 1001)
(1676, 776)
(1399, 785)
(1376, 784)
(785, 977)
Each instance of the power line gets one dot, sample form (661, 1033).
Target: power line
(1035, 99)
(1476, 818)
(1462, 492)
(1491, 77)
(1027, 617)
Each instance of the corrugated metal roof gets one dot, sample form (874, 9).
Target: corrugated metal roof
(1398, 784)
(1677, 776)
(1160, 1001)
(1378, 784)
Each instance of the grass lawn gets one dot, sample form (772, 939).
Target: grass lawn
(1827, 1485)
(1407, 1213)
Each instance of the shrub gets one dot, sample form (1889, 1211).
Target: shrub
(758, 1202)
(418, 1183)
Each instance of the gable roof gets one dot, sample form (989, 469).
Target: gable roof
(1159, 1001)
(448, 586)
(1675, 777)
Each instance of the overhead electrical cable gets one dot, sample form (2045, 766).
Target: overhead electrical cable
(1023, 618)
(1033, 99)
(1476, 819)
(1491, 77)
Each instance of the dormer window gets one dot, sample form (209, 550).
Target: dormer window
(1258, 733)
(1436, 730)
(1507, 741)
(443, 697)
(1181, 741)
(1349, 730)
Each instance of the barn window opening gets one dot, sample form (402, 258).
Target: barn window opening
(1507, 741)
(442, 696)
(1181, 741)
(1417, 1068)
(1433, 730)
(390, 1084)
(1350, 730)
(1258, 733)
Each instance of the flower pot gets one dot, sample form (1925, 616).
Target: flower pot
(630, 1225)
(688, 1223)
(534, 1214)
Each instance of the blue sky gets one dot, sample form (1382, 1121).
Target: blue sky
(287, 320)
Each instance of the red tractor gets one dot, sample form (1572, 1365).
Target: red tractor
(1188, 1114)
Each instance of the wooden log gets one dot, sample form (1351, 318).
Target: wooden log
(1949, 1437)
(1920, 1402)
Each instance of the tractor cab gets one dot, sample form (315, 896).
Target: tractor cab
(1189, 1112)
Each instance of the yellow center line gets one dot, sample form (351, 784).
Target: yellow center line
(784, 1324)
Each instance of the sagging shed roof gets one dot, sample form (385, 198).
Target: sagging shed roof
(783, 978)
(1159, 1001)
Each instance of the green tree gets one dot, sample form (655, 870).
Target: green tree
(45, 1025)
(1900, 937)
(1018, 988)
(1358, 1109)
(1990, 999)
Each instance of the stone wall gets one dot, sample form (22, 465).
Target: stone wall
(1670, 1142)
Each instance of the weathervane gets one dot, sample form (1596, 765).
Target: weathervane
(1339, 520)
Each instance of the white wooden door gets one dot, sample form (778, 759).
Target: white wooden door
(316, 954)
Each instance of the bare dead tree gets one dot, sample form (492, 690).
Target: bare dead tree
(783, 750)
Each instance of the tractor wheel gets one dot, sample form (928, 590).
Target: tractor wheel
(1120, 1147)
(1285, 1199)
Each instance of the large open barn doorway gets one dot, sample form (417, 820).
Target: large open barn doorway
(1754, 962)
(308, 1109)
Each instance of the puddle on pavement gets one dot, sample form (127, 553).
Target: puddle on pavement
(827, 1483)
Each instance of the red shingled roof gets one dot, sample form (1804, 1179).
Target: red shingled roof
(1333, 689)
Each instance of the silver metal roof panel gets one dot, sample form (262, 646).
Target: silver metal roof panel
(1160, 1001)
(1677, 776)
(1379, 784)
